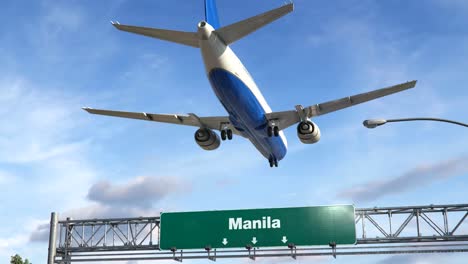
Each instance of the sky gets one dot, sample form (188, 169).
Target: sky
(59, 56)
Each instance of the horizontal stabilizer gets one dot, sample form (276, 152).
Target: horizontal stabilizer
(232, 33)
(181, 37)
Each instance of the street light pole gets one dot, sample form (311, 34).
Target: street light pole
(373, 123)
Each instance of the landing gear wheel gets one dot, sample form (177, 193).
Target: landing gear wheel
(271, 162)
(229, 134)
(270, 131)
(276, 132)
(223, 134)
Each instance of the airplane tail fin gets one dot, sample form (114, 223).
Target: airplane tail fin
(184, 38)
(236, 31)
(211, 13)
(229, 34)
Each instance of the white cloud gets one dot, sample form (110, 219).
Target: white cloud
(381, 56)
(36, 123)
(41, 150)
(140, 192)
(7, 244)
(41, 233)
(56, 21)
(138, 197)
(414, 178)
(5, 178)
(42, 132)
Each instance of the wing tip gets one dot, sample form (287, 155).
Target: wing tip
(412, 83)
(289, 5)
(87, 109)
(116, 24)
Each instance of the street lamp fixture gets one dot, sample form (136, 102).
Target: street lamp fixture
(373, 123)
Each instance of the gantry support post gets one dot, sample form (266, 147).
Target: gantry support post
(52, 238)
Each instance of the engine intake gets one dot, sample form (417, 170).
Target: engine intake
(207, 139)
(308, 132)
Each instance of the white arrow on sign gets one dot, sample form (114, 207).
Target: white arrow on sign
(254, 240)
(284, 240)
(225, 241)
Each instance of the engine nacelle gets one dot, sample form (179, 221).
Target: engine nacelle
(207, 139)
(308, 132)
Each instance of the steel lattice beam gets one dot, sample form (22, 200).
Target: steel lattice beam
(422, 229)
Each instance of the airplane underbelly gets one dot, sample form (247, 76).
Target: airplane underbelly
(245, 112)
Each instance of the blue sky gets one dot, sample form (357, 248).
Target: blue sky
(58, 56)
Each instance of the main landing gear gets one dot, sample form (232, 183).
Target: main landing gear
(273, 131)
(226, 133)
(273, 162)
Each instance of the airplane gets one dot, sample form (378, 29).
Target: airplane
(249, 115)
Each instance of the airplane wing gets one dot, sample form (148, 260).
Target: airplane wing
(212, 122)
(288, 118)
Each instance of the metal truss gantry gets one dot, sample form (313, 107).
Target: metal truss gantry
(380, 230)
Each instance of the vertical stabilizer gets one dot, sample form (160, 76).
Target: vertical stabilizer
(211, 13)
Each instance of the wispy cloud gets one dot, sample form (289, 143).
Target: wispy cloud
(13, 241)
(5, 177)
(42, 147)
(137, 197)
(56, 23)
(381, 58)
(140, 192)
(40, 234)
(34, 123)
(412, 179)
(42, 137)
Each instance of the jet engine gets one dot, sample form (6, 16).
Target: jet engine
(308, 132)
(207, 139)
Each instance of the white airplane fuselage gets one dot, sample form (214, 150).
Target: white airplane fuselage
(238, 93)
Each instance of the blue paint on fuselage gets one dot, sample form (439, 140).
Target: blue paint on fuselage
(245, 112)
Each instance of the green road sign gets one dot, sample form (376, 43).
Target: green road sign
(258, 227)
